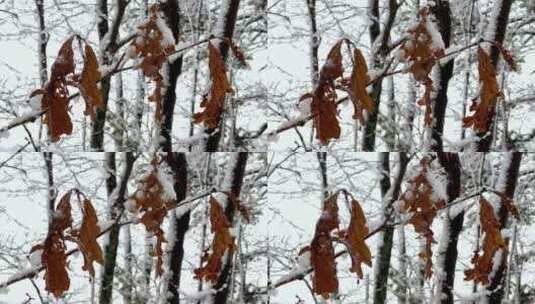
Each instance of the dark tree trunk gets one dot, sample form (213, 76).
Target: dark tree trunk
(179, 166)
(174, 69)
(452, 165)
(501, 27)
(116, 209)
(389, 194)
(103, 29)
(497, 284)
(238, 174)
(230, 18)
(442, 13)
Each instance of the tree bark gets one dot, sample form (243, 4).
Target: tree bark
(442, 13)
(238, 174)
(228, 19)
(389, 193)
(453, 225)
(109, 36)
(501, 21)
(510, 178)
(117, 199)
(179, 166)
(172, 70)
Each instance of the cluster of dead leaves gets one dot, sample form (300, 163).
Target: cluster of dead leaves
(55, 94)
(422, 55)
(222, 243)
(150, 47)
(492, 242)
(150, 200)
(322, 256)
(213, 102)
(54, 256)
(418, 201)
(489, 91)
(323, 104)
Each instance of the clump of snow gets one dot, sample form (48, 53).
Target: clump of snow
(167, 35)
(35, 258)
(130, 205)
(199, 295)
(4, 133)
(166, 180)
(301, 266)
(35, 102)
(304, 106)
(439, 184)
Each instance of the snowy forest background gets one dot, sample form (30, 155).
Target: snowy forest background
(254, 151)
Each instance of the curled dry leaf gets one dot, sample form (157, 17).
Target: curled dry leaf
(56, 95)
(354, 238)
(153, 49)
(324, 280)
(54, 257)
(214, 102)
(88, 82)
(150, 199)
(357, 89)
(418, 201)
(492, 243)
(489, 91)
(222, 243)
(421, 53)
(323, 105)
(87, 238)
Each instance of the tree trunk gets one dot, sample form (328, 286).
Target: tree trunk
(52, 193)
(442, 13)
(500, 26)
(227, 18)
(172, 69)
(108, 45)
(116, 195)
(507, 185)
(179, 223)
(389, 194)
(453, 225)
(237, 175)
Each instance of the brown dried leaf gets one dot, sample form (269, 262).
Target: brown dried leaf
(150, 200)
(323, 105)
(354, 238)
(418, 201)
(492, 242)
(88, 82)
(223, 242)
(150, 47)
(56, 94)
(54, 257)
(488, 93)
(324, 280)
(418, 50)
(214, 102)
(87, 238)
(358, 83)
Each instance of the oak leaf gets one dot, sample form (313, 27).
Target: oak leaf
(493, 242)
(56, 95)
(489, 91)
(88, 82)
(354, 238)
(422, 54)
(322, 259)
(418, 200)
(222, 243)
(87, 238)
(214, 102)
(357, 90)
(323, 105)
